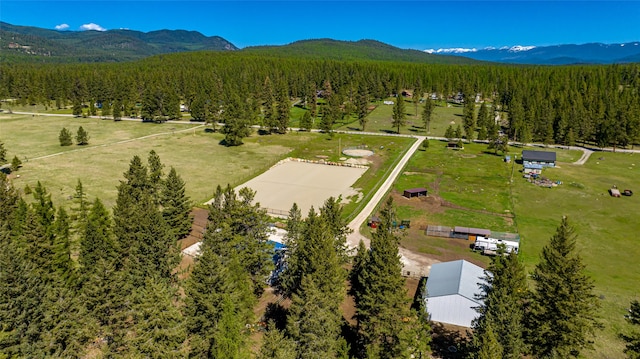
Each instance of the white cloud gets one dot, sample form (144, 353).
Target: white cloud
(92, 26)
(62, 27)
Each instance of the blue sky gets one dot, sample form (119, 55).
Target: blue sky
(406, 24)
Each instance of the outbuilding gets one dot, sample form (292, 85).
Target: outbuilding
(451, 293)
(470, 233)
(415, 192)
(542, 158)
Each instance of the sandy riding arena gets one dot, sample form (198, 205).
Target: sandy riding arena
(307, 184)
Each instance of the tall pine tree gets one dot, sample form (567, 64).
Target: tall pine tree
(387, 327)
(563, 313)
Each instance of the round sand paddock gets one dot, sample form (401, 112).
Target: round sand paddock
(358, 153)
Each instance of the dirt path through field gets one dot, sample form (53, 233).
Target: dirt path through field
(415, 264)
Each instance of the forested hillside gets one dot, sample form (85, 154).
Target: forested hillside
(363, 50)
(32, 44)
(563, 105)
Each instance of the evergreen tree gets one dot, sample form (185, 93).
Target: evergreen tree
(22, 298)
(67, 327)
(63, 264)
(499, 144)
(77, 108)
(563, 310)
(65, 137)
(176, 206)
(283, 109)
(3, 154)
(387, 327)
(43, 207)
(96, 241)
(399, 114)
(276, 346)
(199, 109)
(314, 321)
(82, 137)
(155, 167)
(117, 110)
(80, 208)
(9, 198)
(488, 345)
(469, 117)
(159, 327)
(235, 125)
(449, 133)
(458, 132)
(216, 288)
(106, 109)
(504, 296)
(632, 348)
(362, 104)
(306, 122)
(246, 233)
(427, 112)
(15, 164)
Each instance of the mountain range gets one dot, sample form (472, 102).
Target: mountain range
(593, 53)
(26, 43)
(33, 44)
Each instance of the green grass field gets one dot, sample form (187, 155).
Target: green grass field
(199, 158)
(379, 120)
(607, 227)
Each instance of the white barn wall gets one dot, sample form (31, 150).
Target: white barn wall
(452, 309)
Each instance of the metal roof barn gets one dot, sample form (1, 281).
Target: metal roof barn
(538, 156)
(451, 292)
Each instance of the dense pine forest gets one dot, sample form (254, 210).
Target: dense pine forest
(562, 105)
(100, 282)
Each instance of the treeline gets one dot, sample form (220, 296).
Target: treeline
(564, 105)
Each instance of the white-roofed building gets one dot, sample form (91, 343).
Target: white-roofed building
(451, 292)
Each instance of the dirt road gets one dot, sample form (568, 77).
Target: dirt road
(415, 264)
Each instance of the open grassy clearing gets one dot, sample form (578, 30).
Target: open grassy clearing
(379, 119)
(199, 158)
(29, 136)
(476, 180)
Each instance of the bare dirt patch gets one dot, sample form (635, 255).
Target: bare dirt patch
(358, 153)
(306, 184)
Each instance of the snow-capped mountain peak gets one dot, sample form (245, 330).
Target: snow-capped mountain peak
(462, 50)
(519, 48)
(457, 50)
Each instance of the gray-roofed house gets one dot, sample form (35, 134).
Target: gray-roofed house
(533, 159)
(451, 292)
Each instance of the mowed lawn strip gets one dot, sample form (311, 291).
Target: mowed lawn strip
(607, 227)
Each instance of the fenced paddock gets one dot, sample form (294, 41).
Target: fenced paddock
(305, 183)
(439, 231)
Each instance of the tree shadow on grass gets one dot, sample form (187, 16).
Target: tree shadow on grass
(449, 343)
(389, 131)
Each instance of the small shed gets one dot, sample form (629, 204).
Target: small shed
(415, 192)
(374, 221)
